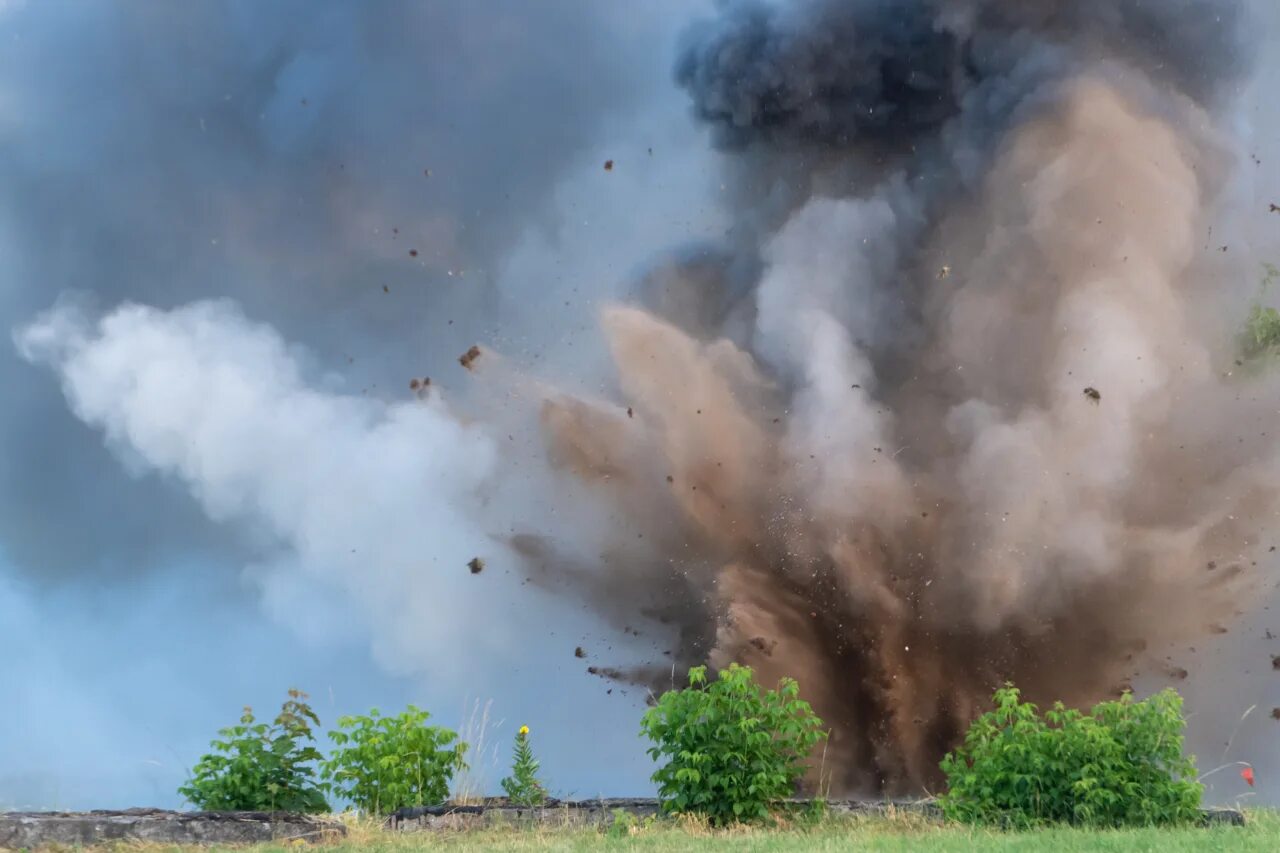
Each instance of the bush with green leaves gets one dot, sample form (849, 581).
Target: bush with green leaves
(522, 786)
(381, 764)
(260, 767)
(730, 750)
(1122, 764)
(1260, 338)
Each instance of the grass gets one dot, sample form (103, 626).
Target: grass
(900, 833)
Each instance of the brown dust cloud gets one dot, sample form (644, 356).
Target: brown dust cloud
(974, 413)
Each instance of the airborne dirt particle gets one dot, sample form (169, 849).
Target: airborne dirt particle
(476, 565)
(469, 357)
(1093, 394)
(579, 652)
(608, 165)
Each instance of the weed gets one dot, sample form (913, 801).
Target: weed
(522, 786)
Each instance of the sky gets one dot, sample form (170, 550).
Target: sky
(357, 193)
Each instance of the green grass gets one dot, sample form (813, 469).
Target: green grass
(905, 833)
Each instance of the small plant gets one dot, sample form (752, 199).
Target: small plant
(1261, 335)
(381, 764)
(522, 786)
(731, 750)
(1121, 764)
(623, 825)
(260, 767)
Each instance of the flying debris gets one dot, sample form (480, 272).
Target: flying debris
(468, 358)
(476, 565)
(1093, 394)
(608, 165)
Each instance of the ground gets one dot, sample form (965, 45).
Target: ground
(874, 834)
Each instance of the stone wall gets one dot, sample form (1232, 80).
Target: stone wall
(19, 830)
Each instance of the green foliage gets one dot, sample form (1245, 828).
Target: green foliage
(625, 824)
(522, 786)
(381, 764)
(260, 767)
(1121, 764)
(730, 750)
(1261, 335)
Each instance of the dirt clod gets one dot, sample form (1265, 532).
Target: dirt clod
(469, 357)
(476, 565)
(1093, 394)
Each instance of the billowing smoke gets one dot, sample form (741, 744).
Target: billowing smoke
(950, 396)
(975, 431)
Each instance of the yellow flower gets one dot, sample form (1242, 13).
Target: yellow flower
(524, 730)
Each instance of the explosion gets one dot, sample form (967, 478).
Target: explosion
(967, 422)
(955, 401)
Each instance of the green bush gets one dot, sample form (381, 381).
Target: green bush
(1260, 337)
(260, 767)
(381, 764)
(522, 786)
(1121, 764)
(730, 749)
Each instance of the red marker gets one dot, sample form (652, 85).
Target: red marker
(1247, 775)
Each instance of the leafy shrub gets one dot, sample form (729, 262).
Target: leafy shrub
(522, 786)
(381, 764)
(1260, 337)
(260, 767)
(730, 749)
(1119, 765)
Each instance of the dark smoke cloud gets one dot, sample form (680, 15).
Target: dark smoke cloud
(842, 73)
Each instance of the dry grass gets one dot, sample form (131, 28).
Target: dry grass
(470, 784)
